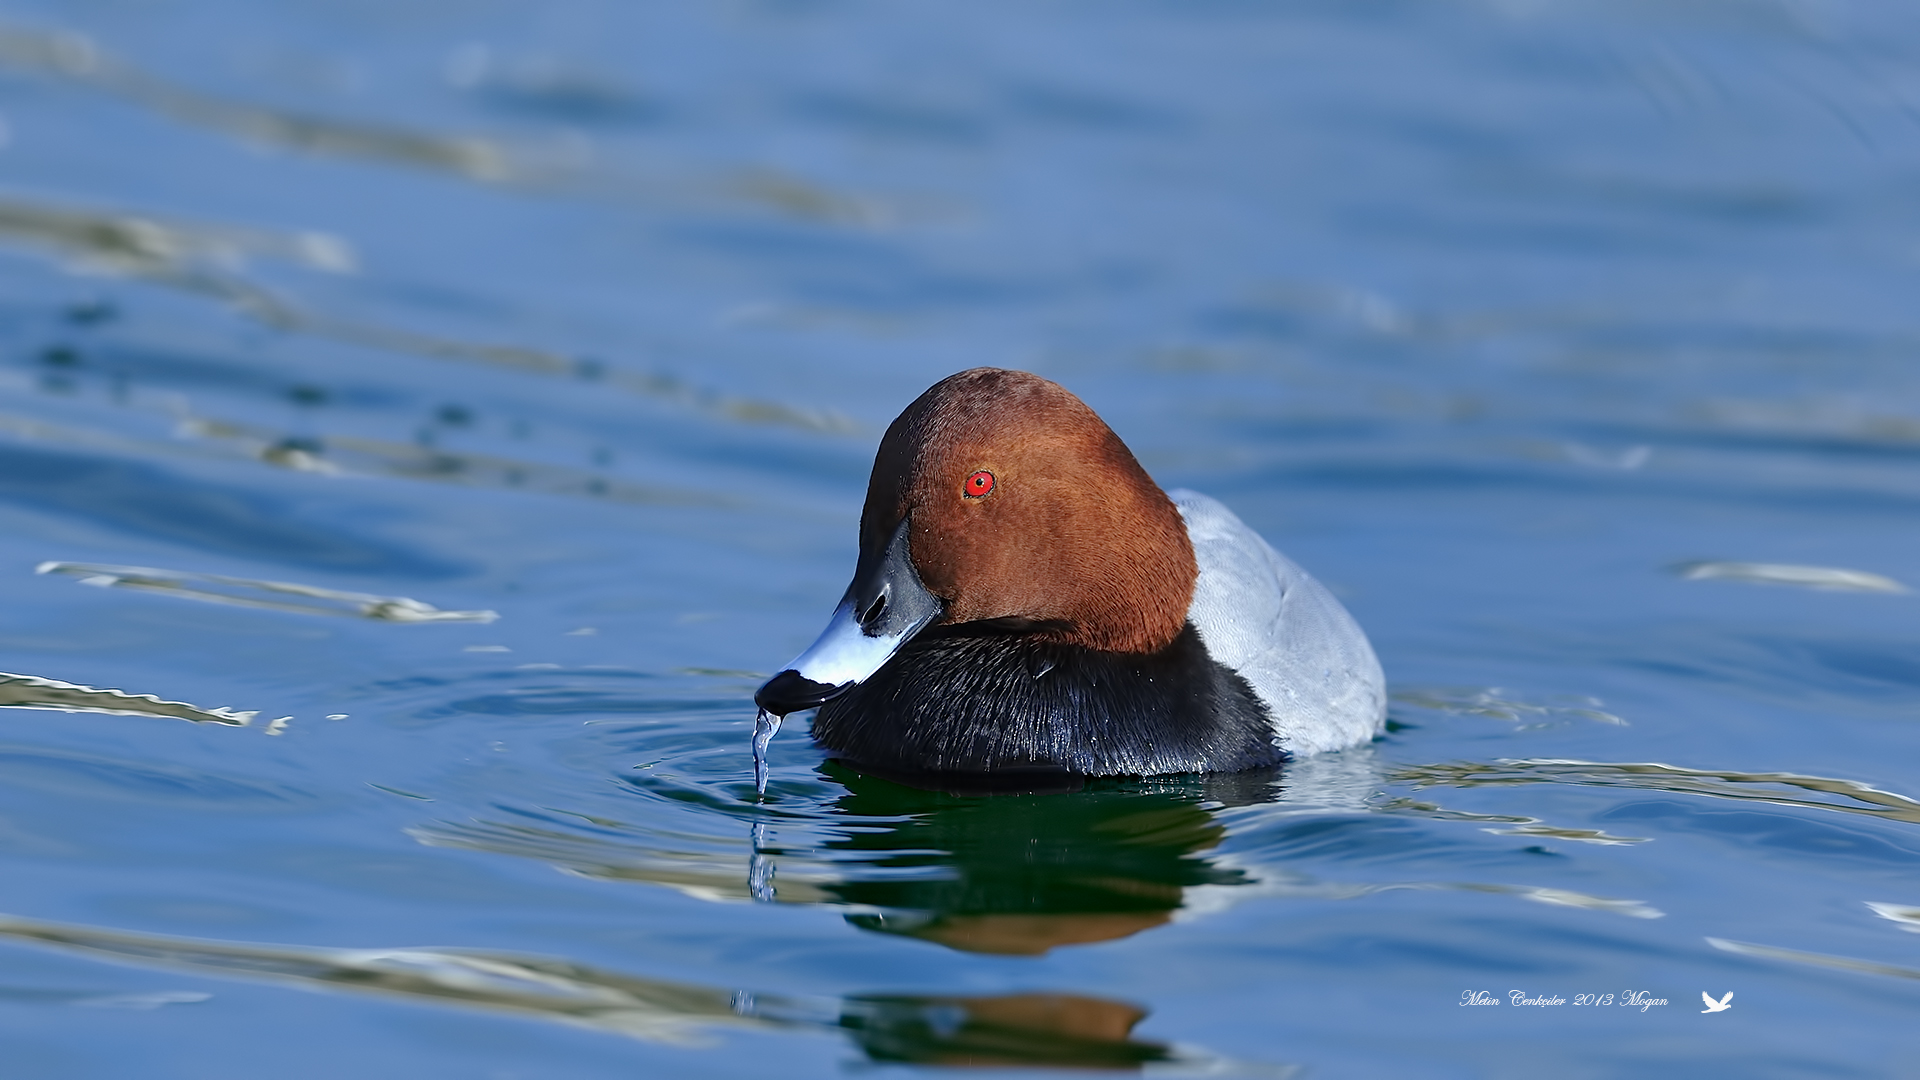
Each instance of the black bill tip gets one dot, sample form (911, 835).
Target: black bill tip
(791, 691)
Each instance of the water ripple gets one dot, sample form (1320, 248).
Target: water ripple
(1808, 577)
(1034, 1029)
(33, 692)
(73, 56)
(1852, 797)
(97, 778)
(1501, 704)
(203, 259)
(141, 246)
(123, 492)
(564, 161)
(1520, 825)
(1844, 963)
(348, 455)
(254, 593)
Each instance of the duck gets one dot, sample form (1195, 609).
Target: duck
(1028, 601)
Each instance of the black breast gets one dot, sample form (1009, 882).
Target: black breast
(968, 700)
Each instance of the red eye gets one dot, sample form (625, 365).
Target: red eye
(980, 483)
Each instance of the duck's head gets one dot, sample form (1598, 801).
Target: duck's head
(1001, 500)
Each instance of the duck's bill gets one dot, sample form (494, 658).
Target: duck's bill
(882, 610)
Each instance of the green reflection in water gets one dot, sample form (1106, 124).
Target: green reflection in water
(1020, 873)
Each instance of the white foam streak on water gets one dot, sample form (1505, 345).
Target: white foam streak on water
(1907, 916)
(33, 692)
(1808, 577)
(245, 592)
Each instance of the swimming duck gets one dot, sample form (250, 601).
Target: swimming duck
(1028, 600)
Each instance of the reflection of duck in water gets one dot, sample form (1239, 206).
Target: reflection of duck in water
(1023, 873)
(1027, 599)
(1017, 872)
(1048, 1030)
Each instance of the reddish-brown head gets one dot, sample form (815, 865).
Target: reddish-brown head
(1026, 507)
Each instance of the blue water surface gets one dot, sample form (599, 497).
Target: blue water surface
(433, 420)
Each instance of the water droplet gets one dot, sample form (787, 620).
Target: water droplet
(765, 725)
